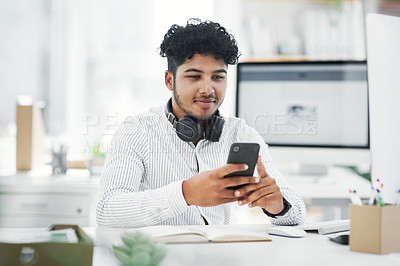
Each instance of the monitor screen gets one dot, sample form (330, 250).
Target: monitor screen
(305, 104)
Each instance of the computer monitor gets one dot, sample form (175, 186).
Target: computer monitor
(313, 113)
(383, 53)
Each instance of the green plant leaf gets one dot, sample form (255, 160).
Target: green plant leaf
(139, 250)
(140, 259)
(123, 249)
(142, 249)
(122, 257)
(128, 240)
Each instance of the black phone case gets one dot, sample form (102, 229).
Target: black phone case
(243, 153)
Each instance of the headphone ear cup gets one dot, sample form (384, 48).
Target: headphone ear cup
(214, 128)
(188, 129)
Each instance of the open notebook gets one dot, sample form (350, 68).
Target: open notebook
(205, 234)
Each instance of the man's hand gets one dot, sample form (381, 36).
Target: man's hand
(210, 188)
(266, 194)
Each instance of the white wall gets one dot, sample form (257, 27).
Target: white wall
(24, 53)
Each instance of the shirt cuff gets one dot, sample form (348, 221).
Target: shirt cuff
(175, 198)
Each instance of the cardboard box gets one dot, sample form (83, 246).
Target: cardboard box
(375, 229)
(49, 253)
(30, 137)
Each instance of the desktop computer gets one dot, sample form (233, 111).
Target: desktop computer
(383, 53)
(314, 114)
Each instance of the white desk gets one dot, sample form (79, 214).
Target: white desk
(311, 250)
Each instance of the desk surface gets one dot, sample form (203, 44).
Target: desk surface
(313, 249)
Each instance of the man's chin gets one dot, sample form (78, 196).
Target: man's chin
(204, 116)
(202, 113)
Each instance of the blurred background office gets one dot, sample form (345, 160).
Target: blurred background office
(92, 63)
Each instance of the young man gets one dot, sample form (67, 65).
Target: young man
(167, 166)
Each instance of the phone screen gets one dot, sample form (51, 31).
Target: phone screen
(246, 153)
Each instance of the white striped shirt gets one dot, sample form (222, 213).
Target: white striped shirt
(141, 183)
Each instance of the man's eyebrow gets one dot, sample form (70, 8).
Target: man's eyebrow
(220, 71)
(194, 70)
(200, 71)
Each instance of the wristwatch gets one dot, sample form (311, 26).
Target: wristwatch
(286, 208)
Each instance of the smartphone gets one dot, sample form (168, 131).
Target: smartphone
(246, 153)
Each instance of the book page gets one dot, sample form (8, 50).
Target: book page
(64, 235)
(172, 234)
(226, 234)
(197, 234)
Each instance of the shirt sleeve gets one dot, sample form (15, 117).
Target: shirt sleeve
(297, 214)
(121, 204)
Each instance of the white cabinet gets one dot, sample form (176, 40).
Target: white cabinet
(27, 201)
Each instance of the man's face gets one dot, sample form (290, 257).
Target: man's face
(199, 86)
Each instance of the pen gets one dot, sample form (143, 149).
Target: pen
(355, 199)
(377, 192)
(379, 198)
(372, 199)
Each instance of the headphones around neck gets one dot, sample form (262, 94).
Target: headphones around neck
(189, 128)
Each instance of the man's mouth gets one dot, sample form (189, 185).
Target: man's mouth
(205, 103)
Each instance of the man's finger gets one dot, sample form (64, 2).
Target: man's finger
(256, 195)
(260, 168)
(231, 168)
(240, 180)
(248, 189)
(228, 194)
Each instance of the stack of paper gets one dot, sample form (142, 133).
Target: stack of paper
(33, 235)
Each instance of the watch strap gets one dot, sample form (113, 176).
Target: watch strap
(286, 208)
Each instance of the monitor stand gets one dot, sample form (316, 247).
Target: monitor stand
(313, 169)
(304, 173)
(301, 168)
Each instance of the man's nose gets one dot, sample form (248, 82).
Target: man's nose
(206, 87)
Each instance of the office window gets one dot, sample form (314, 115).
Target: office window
(113, 69)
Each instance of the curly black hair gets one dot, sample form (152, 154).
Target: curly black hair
(198, 37)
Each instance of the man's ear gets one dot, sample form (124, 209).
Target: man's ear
(169, 80)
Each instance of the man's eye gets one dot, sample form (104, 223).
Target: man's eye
(219, 77)
(194, 76)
